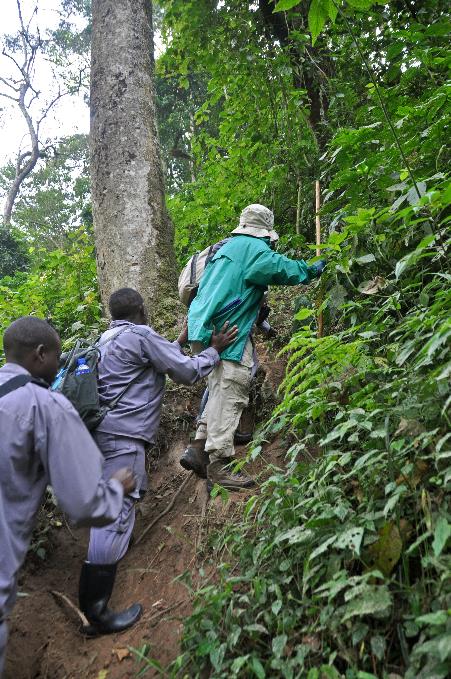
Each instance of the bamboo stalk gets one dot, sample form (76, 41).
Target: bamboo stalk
(298, 210)
(318, 243)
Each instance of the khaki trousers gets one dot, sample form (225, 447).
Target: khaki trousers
(228, 385)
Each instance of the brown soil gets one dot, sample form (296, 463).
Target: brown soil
(45, 639)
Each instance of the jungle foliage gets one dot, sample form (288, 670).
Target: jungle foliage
(60, 285)
(340, 566)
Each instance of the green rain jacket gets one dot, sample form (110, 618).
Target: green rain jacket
(232, 287)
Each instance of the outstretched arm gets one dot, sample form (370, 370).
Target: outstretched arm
(270, 268)
(167, 357)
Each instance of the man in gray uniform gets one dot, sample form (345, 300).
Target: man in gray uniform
(43, 441)
(137, 356)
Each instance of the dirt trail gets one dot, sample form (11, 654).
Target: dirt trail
(45, 641)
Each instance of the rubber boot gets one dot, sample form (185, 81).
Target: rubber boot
(220, 472)
(245, 429)
(195, 458)
(96, 587)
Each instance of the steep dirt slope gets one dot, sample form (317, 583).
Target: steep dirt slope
(45, 640)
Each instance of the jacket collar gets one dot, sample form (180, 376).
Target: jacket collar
(14, 369)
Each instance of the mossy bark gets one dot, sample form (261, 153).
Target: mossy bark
(133, 233)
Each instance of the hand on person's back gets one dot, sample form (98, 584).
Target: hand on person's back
(221, 340)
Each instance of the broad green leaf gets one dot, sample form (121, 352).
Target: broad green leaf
(333, 11)
(317, 17)
(413, 256)
(302, 314)
(283, 5)
(385, 553)
(412, 195)
(360, 4)
(276, 606)
(444, 646)
(258, 668)
(238, 663)
(365, 259)
(374, 600)
(217, 656)
(256, 627)
(323, 547)
(329, 672)
(295, 535)
(442, 533)
(378, 646)
(350, 539)
(437, 618)
(278, 645)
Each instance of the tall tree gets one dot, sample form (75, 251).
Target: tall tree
(133, 232)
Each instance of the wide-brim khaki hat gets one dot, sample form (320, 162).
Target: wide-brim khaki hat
(257, 220)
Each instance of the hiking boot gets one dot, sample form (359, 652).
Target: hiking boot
(195, 458)
(219, 472)
(95, 589)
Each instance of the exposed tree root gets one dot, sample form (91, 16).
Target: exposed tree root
(165, 511)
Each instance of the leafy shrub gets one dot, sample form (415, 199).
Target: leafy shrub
(61, 285)
(339, 567)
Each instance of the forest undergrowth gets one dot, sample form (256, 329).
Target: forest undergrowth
(338, 567)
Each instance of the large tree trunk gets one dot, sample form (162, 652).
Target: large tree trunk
(133, 233)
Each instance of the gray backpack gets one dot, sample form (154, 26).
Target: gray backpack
(193, 270)
(82, 390)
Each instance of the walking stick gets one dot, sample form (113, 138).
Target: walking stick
(318, 250)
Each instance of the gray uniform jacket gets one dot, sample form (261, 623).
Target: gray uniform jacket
(43, 441)
(140, 352)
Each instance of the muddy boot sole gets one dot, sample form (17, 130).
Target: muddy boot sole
(230, 486)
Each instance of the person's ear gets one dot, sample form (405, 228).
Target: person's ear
(40, 353)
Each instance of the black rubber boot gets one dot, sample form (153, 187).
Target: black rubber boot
(195, 458)
(245, 430)
(96, 587)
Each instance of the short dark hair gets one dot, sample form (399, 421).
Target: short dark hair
(125, 303)
(26, 334)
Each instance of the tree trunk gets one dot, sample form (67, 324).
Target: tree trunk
(133, 233)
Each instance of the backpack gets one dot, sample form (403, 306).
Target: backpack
(192, 272)
(82, 390)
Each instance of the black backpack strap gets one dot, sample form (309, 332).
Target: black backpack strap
(210, 254)
(113, 403)
(14, 383)
(20, 381)
(192, 277)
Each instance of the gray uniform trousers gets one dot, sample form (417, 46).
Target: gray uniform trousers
(107, 545)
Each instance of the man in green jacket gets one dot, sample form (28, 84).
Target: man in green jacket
(231, 289)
